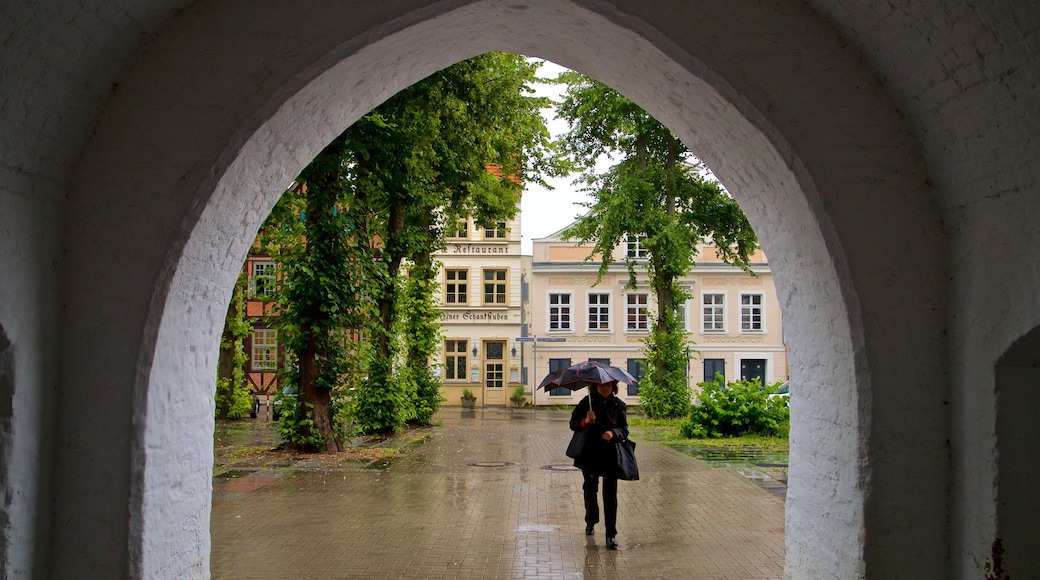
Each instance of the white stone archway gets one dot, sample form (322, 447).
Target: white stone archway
(184, 167)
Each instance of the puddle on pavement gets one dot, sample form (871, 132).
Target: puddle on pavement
(768, 470)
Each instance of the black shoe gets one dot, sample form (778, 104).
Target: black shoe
(611, 544)
(589, 531)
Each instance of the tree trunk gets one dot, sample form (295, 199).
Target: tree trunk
(319, 399)
(393, 257)
(319, 200)
(662, 280)
(226, 358)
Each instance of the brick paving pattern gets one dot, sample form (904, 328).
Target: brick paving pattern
(517, 513)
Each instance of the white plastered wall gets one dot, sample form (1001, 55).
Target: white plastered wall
(212, 187)
(820, 122)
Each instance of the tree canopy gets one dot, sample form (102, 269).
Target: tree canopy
(459, 143)
(656, 194)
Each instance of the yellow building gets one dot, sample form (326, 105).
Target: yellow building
(480, 312)
(733, 319)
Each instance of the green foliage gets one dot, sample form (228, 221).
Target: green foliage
(518, 393)
(386, 408)
(379, 195)
(665, 391)
(421, 336)
(659, 192)
(739, 408)
(414, 165)
(233, 400)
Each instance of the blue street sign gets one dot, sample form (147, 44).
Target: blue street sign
(524, 339)
(551, 339)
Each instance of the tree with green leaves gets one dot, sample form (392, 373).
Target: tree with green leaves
(356, 236)
(657, 195)
(233, 400)
(423, 159)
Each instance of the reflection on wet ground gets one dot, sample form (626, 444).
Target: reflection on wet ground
(491, 495)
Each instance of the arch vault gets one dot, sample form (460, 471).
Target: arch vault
(844, 129)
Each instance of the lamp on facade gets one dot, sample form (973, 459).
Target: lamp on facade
(512, 351)
(474, 351)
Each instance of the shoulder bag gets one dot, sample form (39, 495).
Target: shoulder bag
(626, 459)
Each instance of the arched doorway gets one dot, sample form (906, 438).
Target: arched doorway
(1018, 455)
(214, 186)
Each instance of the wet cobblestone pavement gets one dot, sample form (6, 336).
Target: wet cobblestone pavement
(491, 495)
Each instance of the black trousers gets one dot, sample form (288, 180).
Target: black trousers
(591, 489)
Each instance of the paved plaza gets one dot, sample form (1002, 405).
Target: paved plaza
(491, 495)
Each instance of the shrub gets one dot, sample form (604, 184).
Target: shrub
(734, 409)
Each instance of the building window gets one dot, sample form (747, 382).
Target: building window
(265, 349)
(455, 360)
(494, 365)
(712, 366)
(456, 287)
(680, 312)
(634, 246)
(636, 312)
(556, 364)
(459, 231)
(752, 317)
(262, 281)
(637, 368)
(599, 311)
(713, 313)
(495, 287)
(498, 232)
(559, 312)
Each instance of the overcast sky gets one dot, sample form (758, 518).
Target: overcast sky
(544, 211)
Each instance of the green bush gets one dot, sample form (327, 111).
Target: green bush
(735, 409)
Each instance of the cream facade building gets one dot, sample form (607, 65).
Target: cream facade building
(480, 305)
(733, 318)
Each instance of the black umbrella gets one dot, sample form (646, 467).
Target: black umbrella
(585, 374)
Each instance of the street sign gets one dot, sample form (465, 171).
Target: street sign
(524, 339)
(551, 339)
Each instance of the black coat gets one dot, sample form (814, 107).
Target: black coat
(599, 456)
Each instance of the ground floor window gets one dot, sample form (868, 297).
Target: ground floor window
(712, 366)
(556, 364)
(637, 368)
(455, 359)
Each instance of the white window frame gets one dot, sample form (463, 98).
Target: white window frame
(749, 309)
(713, 306)
(561, 310)
(684, 315)
(264, 350)
(600, 307)
(642, 314)
(634, 247)
(263, 270)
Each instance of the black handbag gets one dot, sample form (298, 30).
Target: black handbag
(577, 444)
(628, 469)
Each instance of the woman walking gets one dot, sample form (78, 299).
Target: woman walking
(603, 417)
